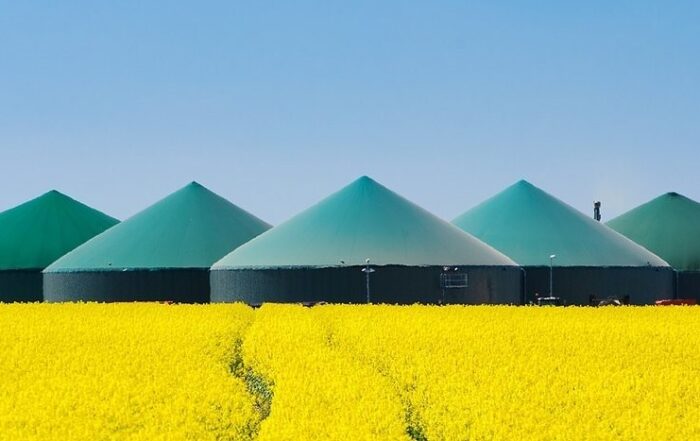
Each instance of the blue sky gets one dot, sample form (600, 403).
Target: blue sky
(275, 104)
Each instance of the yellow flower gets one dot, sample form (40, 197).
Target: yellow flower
(284, 372)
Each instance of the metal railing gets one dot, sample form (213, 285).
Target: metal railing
(454, 280)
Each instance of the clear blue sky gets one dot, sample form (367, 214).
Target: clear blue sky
(275, 104)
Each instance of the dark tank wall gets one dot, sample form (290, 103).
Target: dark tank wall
(21, 286)
(388, 284)
(688, 285)
(176, 285)
(577, 285)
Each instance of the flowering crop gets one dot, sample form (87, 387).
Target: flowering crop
(122, 372)
(284, 372)
(318, 394)
(508, 373)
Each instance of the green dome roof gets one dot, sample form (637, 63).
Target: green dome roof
(668, 226)
(191, 228)
(36, 233)
(363, 220)
(529, 225)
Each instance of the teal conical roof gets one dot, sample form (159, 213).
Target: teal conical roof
(668, 226)
(529, 225)
(363, 220)
(191, 228)
(36, 233)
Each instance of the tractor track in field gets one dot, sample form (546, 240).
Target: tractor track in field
(260, 388)
(413, 425)
(257, 385)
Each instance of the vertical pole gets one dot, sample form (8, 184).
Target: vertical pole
(551, 270)
(367, 270)
(367, 282)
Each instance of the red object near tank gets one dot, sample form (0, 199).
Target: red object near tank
(667, 302)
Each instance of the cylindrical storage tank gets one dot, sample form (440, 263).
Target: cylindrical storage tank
(366, 243)
(21, 285)
(162, 253)
(180, 285)
(668, 226)
(564, 252)
(36, 233)
(688, 285)
(585, 285)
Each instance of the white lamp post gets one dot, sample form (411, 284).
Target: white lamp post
(367, 270)
(551, 266)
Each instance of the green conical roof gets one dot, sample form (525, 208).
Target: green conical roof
(529, 225)
(36, 233)
(191, 228)
(668, 226)
(363, 220)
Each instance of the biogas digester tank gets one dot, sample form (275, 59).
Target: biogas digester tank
(36, 233)
(320, 255)
(668, 226)
(592, 261)
(162, 253)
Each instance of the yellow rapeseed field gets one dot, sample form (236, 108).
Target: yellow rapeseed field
(122, 372)
(508, 373)
(319, 393)
(228, 372)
